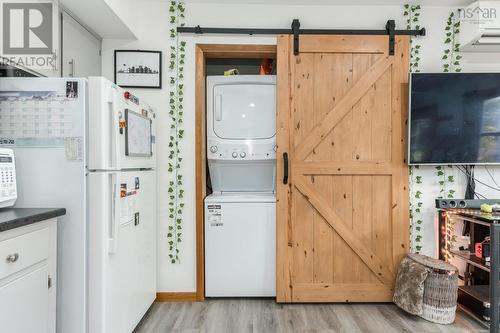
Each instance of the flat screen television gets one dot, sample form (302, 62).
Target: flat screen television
(454, 118)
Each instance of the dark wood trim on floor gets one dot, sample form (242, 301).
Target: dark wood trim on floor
(176, 297)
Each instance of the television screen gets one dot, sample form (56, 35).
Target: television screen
(454, 118)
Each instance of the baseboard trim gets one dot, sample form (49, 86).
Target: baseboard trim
(176, 297)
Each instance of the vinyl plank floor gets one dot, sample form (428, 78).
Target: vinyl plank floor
(266, 316)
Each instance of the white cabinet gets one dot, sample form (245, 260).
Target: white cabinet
(27, 278)
(80, 49)
(25, 302)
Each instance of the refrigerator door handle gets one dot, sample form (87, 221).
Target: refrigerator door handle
(114, 218)
(115, 123)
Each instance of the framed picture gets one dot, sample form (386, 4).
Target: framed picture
(138, 69)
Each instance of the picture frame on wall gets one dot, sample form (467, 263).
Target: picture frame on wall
(138, 69)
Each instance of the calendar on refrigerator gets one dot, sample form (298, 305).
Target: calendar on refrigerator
(36, 117)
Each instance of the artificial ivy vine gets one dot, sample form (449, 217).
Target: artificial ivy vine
(444, 180)
(444, 174)
(451, 63)
(412, 16)
(176, 113)
(416, 205)
(451, 57)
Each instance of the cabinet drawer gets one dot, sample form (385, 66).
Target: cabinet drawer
(23, 251)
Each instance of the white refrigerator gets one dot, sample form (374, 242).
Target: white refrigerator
(89, 146)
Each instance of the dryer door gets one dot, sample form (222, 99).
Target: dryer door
(244, 111)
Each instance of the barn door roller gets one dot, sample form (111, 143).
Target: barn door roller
(295, 31)
(390, 30)
(390, 27)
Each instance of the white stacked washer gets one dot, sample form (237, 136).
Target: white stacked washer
(240, 214)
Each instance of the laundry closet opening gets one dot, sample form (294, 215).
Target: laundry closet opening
(235, 170)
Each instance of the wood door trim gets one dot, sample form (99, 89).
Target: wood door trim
(339, 111)
(283, 197)
(202, 52)
(200, 171)
(400, 72)
(237, 51)
(370, 258)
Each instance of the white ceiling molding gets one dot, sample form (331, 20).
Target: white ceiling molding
(334, 2)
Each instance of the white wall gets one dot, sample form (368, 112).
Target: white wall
(152, 22)
(125, 10)
(153, 34)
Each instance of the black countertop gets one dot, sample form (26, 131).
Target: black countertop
(11, 218)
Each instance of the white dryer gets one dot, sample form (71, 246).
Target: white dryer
(241, 132)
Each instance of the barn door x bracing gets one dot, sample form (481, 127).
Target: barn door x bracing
(342, 216)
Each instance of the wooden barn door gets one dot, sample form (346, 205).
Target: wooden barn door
(342, 217)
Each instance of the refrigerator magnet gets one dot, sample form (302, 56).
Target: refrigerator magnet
(123, 190)
(71, 89)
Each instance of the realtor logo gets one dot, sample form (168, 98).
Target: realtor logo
(27, 28)
(478, 15)
(485, 13)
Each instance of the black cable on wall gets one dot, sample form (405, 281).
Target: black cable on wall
(470, 190)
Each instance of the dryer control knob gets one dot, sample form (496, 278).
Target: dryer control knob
(243, 154)
(213, 149)
(235, 154)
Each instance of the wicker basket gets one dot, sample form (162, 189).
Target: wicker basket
(440, 290)
(440, 297)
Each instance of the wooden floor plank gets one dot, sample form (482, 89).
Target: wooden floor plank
(266, 316)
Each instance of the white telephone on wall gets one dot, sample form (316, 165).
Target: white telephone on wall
(8, 186)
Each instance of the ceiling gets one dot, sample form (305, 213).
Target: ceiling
(338, 2)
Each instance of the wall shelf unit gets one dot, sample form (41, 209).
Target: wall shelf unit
(475, 299)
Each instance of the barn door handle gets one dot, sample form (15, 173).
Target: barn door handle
(285, 168)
